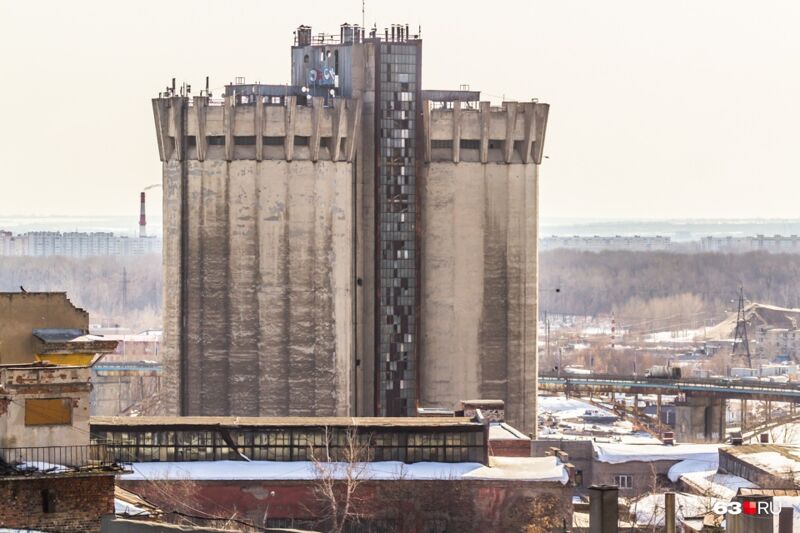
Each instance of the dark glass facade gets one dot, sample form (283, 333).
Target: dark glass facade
(409, 445)
(397, 94)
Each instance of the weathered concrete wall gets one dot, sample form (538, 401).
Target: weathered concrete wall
(21, 313)
(258, 253)
(479, 257)
(25, 383)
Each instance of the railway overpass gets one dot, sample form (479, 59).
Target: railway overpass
(701, 404)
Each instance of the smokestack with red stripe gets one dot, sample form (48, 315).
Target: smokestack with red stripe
(142, 218)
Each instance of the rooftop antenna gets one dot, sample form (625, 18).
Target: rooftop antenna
(740, 334)
(363, 13)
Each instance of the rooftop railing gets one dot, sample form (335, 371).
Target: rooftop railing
(41, 460)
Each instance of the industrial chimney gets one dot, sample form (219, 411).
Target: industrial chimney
(142, 218)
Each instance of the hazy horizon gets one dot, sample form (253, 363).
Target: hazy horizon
(683, 110)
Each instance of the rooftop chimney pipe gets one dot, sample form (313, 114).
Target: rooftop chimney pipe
(142, 218)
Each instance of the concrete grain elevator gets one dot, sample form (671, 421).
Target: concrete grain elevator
(349, 244)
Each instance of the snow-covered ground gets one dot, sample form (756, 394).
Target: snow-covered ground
(566, 408)
(649, 510)
(680, 336)
(569, 413)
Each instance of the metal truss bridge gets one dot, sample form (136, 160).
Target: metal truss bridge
(714, 388)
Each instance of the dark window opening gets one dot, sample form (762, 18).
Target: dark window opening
(469, 144)
(273, 141)
(301, 140)
(245, 140)
(48, 501)
(216, 140)
(191, 141)
(442, 143)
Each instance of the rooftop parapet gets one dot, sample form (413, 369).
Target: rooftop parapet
(259, 128)
(513, 133)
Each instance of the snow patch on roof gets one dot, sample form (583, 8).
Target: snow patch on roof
(614, 453)
(518, 468)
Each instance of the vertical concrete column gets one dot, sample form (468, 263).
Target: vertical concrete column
(603, 509)
(541, 112)
(456, 132)
(163, 140)
(353, 131)
(258, 127)
(288, 141)
(530, 131)
(426, 130)
(511, 126)
(338, 127)
(486, 117)
(193, 321)
(200, 112)
(700, 419)
(669, 512)
(317, 104)
(243, 363)
(274, 297)
(228, 119)
(531, 299)
(177, 109)
(743, 416)
(216, 388)
(169, 116)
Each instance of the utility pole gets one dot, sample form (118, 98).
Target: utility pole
(124, 289)
(740, 334)
(547, 340)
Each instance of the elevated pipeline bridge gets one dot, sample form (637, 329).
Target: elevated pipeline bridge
(700, 405)
(727, 389)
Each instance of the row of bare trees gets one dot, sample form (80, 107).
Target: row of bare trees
(124, 291)
(658, 285)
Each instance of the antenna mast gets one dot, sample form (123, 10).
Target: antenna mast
(740, 335)
(363, 11)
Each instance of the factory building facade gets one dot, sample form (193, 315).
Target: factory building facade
(349, 244)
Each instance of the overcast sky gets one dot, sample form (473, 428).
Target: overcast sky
(658, 109)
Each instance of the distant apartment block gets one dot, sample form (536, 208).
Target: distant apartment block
(597, 243)
(641, 243)
(775, 244)
(75, 244)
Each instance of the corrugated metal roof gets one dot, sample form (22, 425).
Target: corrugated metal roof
(288, 421)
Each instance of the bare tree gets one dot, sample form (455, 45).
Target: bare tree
(339, 465)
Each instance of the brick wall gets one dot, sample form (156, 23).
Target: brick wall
(401, 506)
(510, 447)
(80, 501)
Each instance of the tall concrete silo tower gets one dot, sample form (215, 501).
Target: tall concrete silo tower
(350, 243)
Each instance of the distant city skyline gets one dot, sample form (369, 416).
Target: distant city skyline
(672, 110)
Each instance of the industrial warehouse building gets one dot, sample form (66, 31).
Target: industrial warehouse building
(349, 244)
